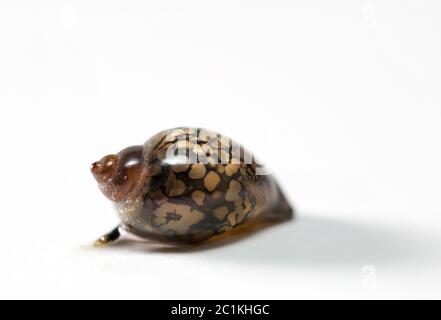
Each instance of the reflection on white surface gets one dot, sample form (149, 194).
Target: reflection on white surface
(315, 242)
(323, 242)
(310, 257)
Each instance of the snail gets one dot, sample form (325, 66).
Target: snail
(186, 185)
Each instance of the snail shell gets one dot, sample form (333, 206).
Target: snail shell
(186, 185)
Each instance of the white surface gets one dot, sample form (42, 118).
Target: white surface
(340, 99)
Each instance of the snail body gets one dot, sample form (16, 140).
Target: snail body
(187, 185)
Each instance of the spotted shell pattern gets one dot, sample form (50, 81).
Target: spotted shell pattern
(194, 184)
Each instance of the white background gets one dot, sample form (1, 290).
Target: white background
(341, 99)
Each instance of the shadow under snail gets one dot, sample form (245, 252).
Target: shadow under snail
(186, 185)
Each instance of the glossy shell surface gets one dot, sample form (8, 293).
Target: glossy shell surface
(193, 184)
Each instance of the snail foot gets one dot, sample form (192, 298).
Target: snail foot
(108, 238)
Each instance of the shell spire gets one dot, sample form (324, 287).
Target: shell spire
(117, 174)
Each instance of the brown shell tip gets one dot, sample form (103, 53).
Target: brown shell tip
(94, 167)
(104, 169)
